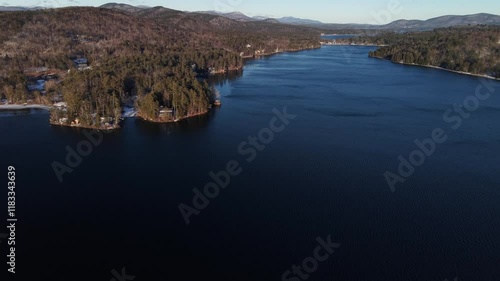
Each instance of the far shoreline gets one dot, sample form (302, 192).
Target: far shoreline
(262, 55)
(440, 68)
(351, 45)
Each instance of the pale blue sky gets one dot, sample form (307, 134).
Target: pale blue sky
(334, 11)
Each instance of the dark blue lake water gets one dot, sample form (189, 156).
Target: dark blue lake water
(321, 175)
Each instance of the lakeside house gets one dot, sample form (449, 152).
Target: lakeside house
(166, 112)
(81, 63)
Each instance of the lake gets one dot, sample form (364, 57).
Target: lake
(319, 174)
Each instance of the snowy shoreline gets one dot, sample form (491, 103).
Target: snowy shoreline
(127, 112)
(22, 106)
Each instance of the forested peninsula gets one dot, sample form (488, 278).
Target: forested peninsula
(93, 62)
(470, 50)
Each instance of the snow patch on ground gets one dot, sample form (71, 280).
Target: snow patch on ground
(129, 112)
(21, 106)
(60, 104)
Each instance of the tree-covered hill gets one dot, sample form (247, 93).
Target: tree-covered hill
(249, 37)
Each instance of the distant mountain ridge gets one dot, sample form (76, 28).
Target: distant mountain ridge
(233, 15)
(124, 7)
(19, 8)
(242, 17)
(438, 22)
(445, 21)
(293, 20)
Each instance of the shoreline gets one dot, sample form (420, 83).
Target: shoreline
(352, 45)
(86, 127)
(172, 121)
(22, 106)
(48, 108)
(441, 68)
(256, 56)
